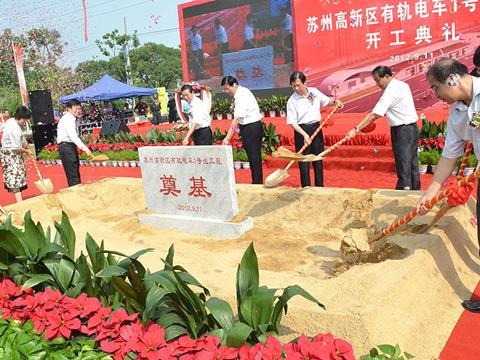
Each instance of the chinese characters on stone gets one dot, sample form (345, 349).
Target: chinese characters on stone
(198, 187)
(241, 74)
(386, 14)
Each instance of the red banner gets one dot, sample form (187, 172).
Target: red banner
(339, 42)
(18, 55)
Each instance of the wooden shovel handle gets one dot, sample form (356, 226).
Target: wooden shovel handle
(36, 168)
(429, 204)
(322, 124)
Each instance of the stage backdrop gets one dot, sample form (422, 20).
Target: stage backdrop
(338, 42)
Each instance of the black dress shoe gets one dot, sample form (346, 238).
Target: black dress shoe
(472, 306)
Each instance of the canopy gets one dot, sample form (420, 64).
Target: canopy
(107, 88)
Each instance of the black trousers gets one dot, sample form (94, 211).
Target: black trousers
(405, 147)
(252, 135)
(198, 64)
(224, 48)
(203, 136)
(71, 164)
(316, 147)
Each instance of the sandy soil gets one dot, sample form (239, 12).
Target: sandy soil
(410, 296)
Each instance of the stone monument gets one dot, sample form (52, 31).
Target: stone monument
(191, 189)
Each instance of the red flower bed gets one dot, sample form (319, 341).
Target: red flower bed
(432, 143)
(119, 333)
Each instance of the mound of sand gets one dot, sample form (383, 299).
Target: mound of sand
(410, 295)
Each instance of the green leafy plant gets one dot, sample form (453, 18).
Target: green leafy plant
(271, 140)
(424, 158)
(435, 157)
(387, 352)
(218, 135)
(259, 308)
(472, 161)
(430, 129)
(20, 341)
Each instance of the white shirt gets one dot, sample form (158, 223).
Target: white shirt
(459, 129)
(196, 42)
(221, 35)
(13, 137)
(199, 114)
(67, 131)
(246, 106)
(306, 109)
(287, 24)
(248, 32)
(397, 104)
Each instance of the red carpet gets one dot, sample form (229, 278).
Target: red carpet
(463, 343)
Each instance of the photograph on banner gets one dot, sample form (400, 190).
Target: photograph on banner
(251, 40)
(339, 43)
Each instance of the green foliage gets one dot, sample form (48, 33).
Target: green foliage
(171, 297)
(259, 308)
(431, 130)
(271, 140)
(387, 352)
(20, 341)
(429, 157)
(222, 106)
(472, 161)
(240, 155)
(218, 135)
(10, 99)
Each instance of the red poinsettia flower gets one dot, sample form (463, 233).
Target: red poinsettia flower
(151, 341)
(251, 353)
(61, 325)
(272, 350)
(343, 350)
(83, 306)
(94, 322)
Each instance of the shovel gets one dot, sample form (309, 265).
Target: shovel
(45, 186)
(279, 175)
(98, 158)
(379, 239)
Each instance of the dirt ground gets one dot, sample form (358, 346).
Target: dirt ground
(410, 296)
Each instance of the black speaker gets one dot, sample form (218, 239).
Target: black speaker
(43, 135)
(113, 127)
(41, 107)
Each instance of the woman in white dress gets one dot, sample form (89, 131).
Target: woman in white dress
(14, 149)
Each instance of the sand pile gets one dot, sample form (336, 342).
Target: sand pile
(409, 295)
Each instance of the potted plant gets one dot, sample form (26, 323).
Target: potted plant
(270, 107)
(435, 158)
(243, 158)
(424, 160)
(237, 163)
(471, 164)
(282, 105)
(261, 106)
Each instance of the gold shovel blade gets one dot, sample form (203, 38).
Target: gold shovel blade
(45, 186)
(275, 178)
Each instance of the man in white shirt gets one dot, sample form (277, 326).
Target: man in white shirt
(222, 37)
(303, 114)
(199, 119)
(247, 116)
(450, 81)
(197, 53)
(397, 105)
(248, 33)
(68, 140)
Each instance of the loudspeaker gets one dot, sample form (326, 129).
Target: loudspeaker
(43, 135)
(113, 127)
(41, 107)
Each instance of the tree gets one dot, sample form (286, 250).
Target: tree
(115, 46)
(92, 70)
(155, 65)
(44, 46)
